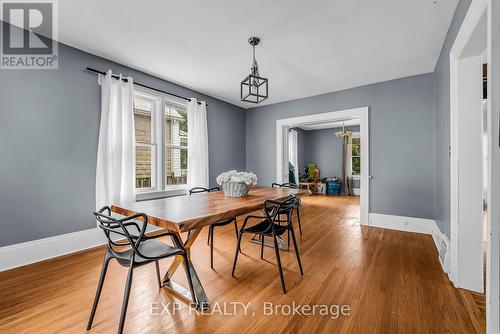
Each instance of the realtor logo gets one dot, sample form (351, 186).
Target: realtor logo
(28, 36)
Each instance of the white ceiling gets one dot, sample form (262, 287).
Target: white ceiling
(308, 47)
(331, 125)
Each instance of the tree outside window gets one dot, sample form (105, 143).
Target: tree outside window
(356, 156)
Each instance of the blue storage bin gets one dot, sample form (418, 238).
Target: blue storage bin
(333, 187)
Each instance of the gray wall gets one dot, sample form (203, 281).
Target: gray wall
(323, 148)
(442, 120)
(401, 140)
(49, 123)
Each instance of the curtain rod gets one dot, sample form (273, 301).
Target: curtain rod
(139, 84)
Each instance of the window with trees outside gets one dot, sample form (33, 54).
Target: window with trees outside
(175, 136)
(161, 135)
(356, 155)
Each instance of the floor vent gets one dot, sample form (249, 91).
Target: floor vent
(442, 245)
(442, 251)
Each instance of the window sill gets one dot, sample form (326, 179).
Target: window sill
(177, 191)
(356, 177)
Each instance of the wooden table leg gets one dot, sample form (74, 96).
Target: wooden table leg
(176, 288)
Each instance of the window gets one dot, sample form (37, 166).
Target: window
(175, 139)
(144, 110)
(161, 135)
(356, 154)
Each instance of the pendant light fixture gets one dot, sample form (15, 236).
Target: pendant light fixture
(343, 133)
(254, 88)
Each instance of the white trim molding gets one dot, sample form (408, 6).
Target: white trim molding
(471, 20)
(42, 249)
(493, 252)
(401, 223)
(282, 126)
(475, 12)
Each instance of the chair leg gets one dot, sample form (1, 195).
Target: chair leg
(262, 246)
(298, 219)
(239, 246)
(104, 269)
(188, 276)
(208, 237)
(280, 270)
(157, 266)
(296, 251)
(211, 233)
(126, 296)
(240, 234)
(236, 227)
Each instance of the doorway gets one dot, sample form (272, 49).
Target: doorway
(283, 151)
(467, 133)
(473, 149)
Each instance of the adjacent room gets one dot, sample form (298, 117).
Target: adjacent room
(325, 158)
(250, 167)
(334, 147)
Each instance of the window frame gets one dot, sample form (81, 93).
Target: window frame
(158, 169)
(166, 146)
(155, 172)
(355, 135)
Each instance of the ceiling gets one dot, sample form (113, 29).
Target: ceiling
(307, 48)
(331, 125)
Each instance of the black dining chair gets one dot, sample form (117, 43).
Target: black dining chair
(269, 226)
(210, 240)
(299, 203)
(131, 247)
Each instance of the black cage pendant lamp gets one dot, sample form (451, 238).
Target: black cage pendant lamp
(254, 88)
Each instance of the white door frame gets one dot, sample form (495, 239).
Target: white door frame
(493, 259)
(476, 10)
(282, 126)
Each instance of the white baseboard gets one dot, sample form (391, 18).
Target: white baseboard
(356, 191)
(401, 223)
(42, 249)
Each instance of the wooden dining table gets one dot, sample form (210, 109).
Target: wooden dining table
(191, 213)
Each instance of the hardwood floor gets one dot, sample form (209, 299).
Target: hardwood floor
(391, 281)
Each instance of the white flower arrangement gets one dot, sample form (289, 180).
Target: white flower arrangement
(237, 177)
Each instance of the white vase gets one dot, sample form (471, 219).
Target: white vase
(235, 189)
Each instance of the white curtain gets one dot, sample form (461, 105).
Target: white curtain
(115, 174)
(347, 173)
(293, 152)
(348, 160)
(197, 144)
